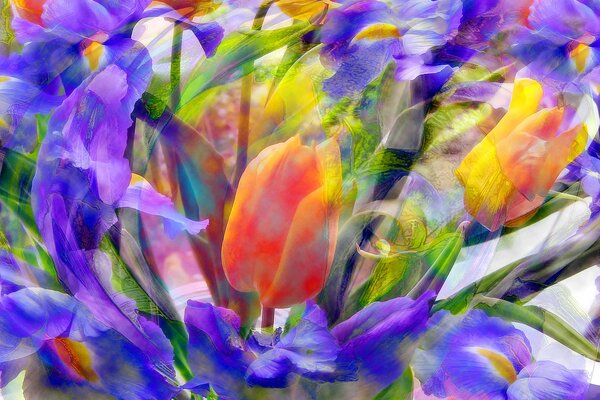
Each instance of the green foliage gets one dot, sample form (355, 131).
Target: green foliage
(236, 55)
(401, 389)
(401, 274)
(543, 321)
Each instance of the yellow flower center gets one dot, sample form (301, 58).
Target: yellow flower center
(580, 55)
(378, 32)
(76, 357)
(500, 363)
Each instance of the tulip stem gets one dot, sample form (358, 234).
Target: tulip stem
(267, 317)
(245, 100)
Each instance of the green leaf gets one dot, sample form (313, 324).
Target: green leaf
(235, 57)
(452, 120)
(450, 245)
(125, 282)
(414, 273)
(15, 187)
(543, 321)
(525, 278)
(385, 161)
(333, 295)
(16, 174)
(401, 389)
(175, 331)
(295, 316)
(389, 279)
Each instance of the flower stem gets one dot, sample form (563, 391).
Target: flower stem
(245, 101)
(267, 318)
(176, 65)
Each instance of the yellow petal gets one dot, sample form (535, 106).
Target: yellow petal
(500, 363)
(303, 10)
(580, 55)
(526, 97)
(487, 189)
(378, 32)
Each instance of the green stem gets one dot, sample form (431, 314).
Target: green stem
(245, 101)
(176, 65)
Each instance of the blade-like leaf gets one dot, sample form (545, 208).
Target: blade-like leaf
(543, 321)
(401, 389)
(235, 56)
(525, 278)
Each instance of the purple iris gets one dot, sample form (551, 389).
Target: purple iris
(72, 40)
(82, 176)
(481, 357)
(67, 353)
(362, 37)
(372, 347)
(560, 41)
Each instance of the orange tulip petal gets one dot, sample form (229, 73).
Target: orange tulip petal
(305, 260)
(520, 209)
(268, 194)
(521, 159)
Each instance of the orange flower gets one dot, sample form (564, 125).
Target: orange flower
(31, 10)
(192, 8)
(280, 238)
(507, 175)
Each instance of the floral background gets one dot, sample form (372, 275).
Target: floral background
(299, 199)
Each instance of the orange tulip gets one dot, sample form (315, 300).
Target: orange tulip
(192, 8)
(280, 237)
(31, 10)
(507, 175)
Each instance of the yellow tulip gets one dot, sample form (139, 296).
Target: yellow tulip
(192, 8)
(507, 175)
(304, 10)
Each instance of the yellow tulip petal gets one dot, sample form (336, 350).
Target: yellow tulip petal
(526, 97)
(487, 190)
(303, 10)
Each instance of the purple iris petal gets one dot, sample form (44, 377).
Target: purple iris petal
(554, 30)
(19, 102)
(358, 68)
(414, 29)
(470, 356)
(41, 320)
(308, 349)
(81, 174)
(345, 22)
(380, 339)
(563, 21)
(143, 197)
(217, 354)
(547, 380)
(586, 169)
(73, 20)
